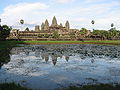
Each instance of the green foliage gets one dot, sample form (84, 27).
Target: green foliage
(83, 31)
(40, 35)
(4, 32)
(21, 21)
(55, 34)
(5, 47)
(110, 34)
(46, 35)
(4, 56)
(112, 25)
(93, 87)
(12, 86)
(93, 22)
(113, 33)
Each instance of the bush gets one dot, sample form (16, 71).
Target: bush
(12, 86)
(4, 32)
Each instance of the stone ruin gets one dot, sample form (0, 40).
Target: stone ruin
(46, 31)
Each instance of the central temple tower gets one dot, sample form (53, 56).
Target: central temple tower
(54, 22)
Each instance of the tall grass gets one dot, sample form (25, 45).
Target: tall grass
(93, 87)
(12, 86)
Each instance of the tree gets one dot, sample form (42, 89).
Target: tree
(113, 34)
(4, 32)
(112, 25)
(0, 21)
(55, 34)
(83, 31)
(102, 34)
(93, 22)
(46, 35)
(40, 35)
(21, 22)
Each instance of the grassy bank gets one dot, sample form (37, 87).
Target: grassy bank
(92, 41)
(13, 86)
(93, 87)
(105, 41)
(7, 44)
(71, 42)
(10, 44)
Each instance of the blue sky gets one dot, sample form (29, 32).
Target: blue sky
(78, 12)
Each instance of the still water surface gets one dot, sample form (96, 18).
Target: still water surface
(56, 66)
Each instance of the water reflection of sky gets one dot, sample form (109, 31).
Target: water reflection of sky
(53, 66)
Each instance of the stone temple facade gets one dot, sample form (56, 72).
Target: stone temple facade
(54, 26)
(47, 32)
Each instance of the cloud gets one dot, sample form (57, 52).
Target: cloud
(91, 1)
(104, 14)
(27, 11)
(79, 15)
(62, 1)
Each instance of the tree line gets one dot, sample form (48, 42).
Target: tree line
(111, 34)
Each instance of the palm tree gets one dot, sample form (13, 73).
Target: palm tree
(112, 25)
(0, 21)
(93, 22)
(21, 22)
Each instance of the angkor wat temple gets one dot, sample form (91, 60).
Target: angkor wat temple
(54, 31)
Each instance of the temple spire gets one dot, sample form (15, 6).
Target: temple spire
(54, 21)
(42, 26)
(46, 26)
(67, 25)
(46, 23)
(37, 29)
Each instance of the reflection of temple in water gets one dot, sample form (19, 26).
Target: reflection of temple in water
(53, 53)
(43, 54)
(67, 58)
(46, 57)
(54, 59)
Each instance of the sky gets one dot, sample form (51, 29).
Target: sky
(79, 13)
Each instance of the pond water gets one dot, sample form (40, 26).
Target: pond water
(54, 66)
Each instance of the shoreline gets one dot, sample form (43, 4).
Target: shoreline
(10, 44)
(70, 42)
(15, 86)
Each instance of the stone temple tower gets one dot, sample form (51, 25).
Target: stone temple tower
(37, 28)
(54, 22)
(46, 26)
(42, 26)
(61, 25)
(67, 25)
